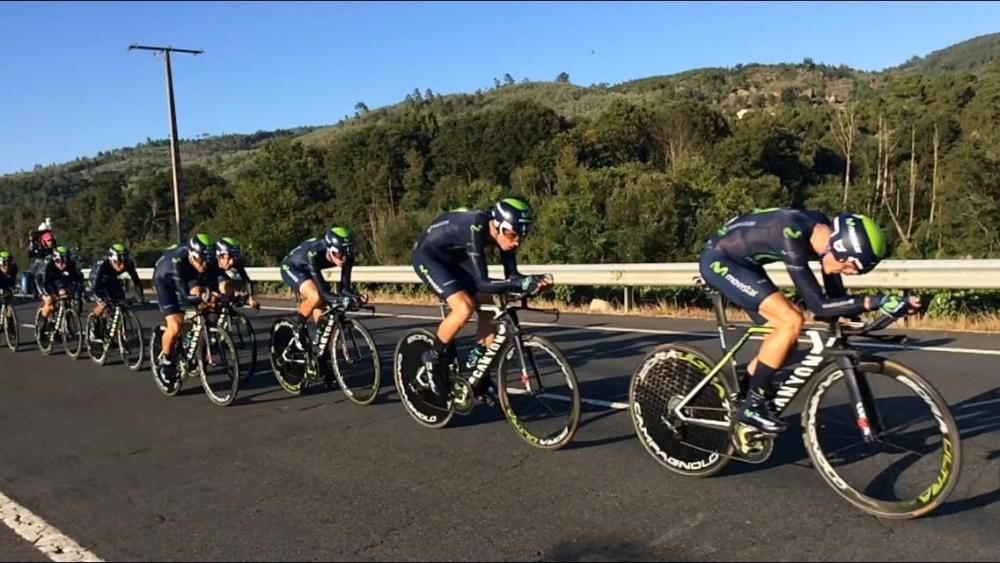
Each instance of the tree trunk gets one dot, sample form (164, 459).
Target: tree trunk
(913, 179)
(934, 174)
(898, 193)
(878, 169)
(845, 133)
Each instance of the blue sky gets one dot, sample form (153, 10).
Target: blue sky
(71, 88)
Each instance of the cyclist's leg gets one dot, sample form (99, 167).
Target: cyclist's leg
(49, 295)
(451, 285)
(174, 323)
(787, 320)
(749, 287)
(48, 303)
(301, 284)
(166, 298)
(485, 329)
(227, 288)
(461, 306)
(445, 282)
(311, 301)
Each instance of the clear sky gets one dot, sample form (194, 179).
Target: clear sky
(69, 87)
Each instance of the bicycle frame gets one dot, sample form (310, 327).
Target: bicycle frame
(199, 332)
(331, 318)
(60, 321)
(117, 312)
(823, 351)
(508, 327)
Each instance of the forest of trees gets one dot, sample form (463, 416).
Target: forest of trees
(642, 172)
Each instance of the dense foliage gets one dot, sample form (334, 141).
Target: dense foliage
(639, 172)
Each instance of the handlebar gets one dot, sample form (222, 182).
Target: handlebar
(507, 303)
(363, 300)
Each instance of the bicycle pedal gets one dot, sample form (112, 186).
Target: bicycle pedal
(462, 398)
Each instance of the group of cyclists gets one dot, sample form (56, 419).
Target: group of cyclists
(450, 259)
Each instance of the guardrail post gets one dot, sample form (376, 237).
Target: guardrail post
(628, 298)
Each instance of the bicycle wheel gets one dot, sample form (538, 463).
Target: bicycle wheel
(541, 399)
(43, 337)
(413, 381)
(243, 336)
(288, 361)
(95, 340)
(219, 365)
(913, 463)
(11, 329)
(662, 380)
(355, 360)
(168, 388)
(72, 334)
(130, 341)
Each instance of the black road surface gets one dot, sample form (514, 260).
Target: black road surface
(131, 474)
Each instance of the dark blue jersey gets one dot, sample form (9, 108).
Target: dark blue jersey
(462, 236)
(783, 235)
(309, 260)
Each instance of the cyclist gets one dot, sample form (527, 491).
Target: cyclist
(733, 260)
(302, 270)
(183, 276)
(105, 286)
(41, 243)
(8, 273)
(449, 259)
(59, 278)
(229, 256)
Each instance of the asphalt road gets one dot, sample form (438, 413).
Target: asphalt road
(131, 474)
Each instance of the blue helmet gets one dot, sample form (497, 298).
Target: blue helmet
(118, 254)
(513, 214)
(202, 247)
(62, 253)
(858, 239)
(340, 240)
(228, 246)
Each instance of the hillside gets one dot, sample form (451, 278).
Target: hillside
(973, 55)
(748, 86)
(634, 172)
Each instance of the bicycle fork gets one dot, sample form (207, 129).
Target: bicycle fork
(111, 332)
(862, 405)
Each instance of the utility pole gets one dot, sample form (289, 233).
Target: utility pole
(175, 150)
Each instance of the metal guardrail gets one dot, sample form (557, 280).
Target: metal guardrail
(891, 274)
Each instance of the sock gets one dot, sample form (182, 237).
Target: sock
(761, 378)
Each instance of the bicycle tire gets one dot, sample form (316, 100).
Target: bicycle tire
(407, 384)
(155, 347)
(245, 339)
(98, 351)
(130, 325)
(42, 338)
(223, 353)
(72, 345)
(290, 382)
(11, 328)
(667, 374)
(518, 417)
(930, 498)
(341, 362)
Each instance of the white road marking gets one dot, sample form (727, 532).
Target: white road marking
(50, 541)
(947, 349)
(606, 404)
(28, 326)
